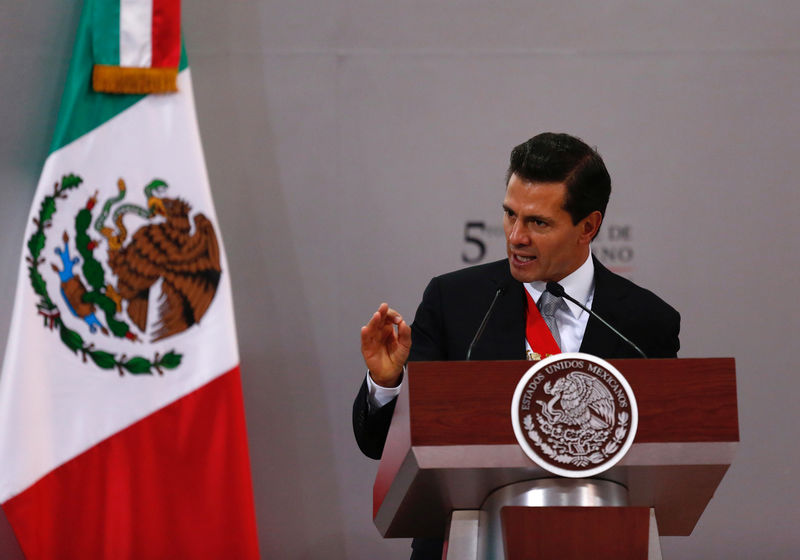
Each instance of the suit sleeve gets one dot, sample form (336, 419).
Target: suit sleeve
(371, 427)
(665, 342)
(427, 330)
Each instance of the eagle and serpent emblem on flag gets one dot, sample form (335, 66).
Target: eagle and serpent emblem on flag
(108, 277)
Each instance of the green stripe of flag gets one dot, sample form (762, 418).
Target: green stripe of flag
(105, 30)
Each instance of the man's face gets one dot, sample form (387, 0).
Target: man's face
(541, 240)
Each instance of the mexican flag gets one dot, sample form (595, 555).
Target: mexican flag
(122, 431)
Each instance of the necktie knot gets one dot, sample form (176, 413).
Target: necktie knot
(548, 304)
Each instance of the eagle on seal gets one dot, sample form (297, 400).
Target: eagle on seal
(584, 400)
(188, 263)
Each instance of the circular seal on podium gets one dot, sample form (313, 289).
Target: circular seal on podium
(574, 414)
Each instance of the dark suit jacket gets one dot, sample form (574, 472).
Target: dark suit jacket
(453, 307)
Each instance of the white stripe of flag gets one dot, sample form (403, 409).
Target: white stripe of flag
(135, 33)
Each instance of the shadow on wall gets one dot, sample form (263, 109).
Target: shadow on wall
(42, 38)
(290, 458)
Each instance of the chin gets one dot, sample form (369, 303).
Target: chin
(523, 276)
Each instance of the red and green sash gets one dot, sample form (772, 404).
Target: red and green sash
(537, 333)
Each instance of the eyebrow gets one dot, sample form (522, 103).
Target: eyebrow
(531, 218)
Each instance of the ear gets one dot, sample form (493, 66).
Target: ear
(589, 226)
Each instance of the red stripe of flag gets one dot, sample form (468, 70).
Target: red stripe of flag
(166, 33)
(174, 485)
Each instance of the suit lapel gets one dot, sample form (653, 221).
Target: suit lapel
(504, 337)
(509, 330)
(608, 293)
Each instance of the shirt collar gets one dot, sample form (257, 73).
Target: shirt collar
(579, 284)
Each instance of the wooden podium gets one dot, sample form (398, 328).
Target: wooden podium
(451, 443)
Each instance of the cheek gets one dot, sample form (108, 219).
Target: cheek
(548, 250)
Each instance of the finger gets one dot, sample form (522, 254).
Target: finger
(379, 315)
(369, 345)
(366, 335)
(404, 334)
(376, 321)
(377, 331)
(393, 316)
(384, 315)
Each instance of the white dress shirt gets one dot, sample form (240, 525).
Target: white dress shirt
(570, 318)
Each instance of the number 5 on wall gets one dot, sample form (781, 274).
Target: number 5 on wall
(471, 230)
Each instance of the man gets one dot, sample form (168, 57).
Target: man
(557, 189)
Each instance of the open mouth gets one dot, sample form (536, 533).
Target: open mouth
(522, 259)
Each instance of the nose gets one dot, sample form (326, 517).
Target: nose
(517, 235)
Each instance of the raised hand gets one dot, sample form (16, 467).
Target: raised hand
(385, 344)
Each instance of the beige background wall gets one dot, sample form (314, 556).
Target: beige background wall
(349, 141)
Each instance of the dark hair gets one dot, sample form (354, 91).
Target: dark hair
(560, 158)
